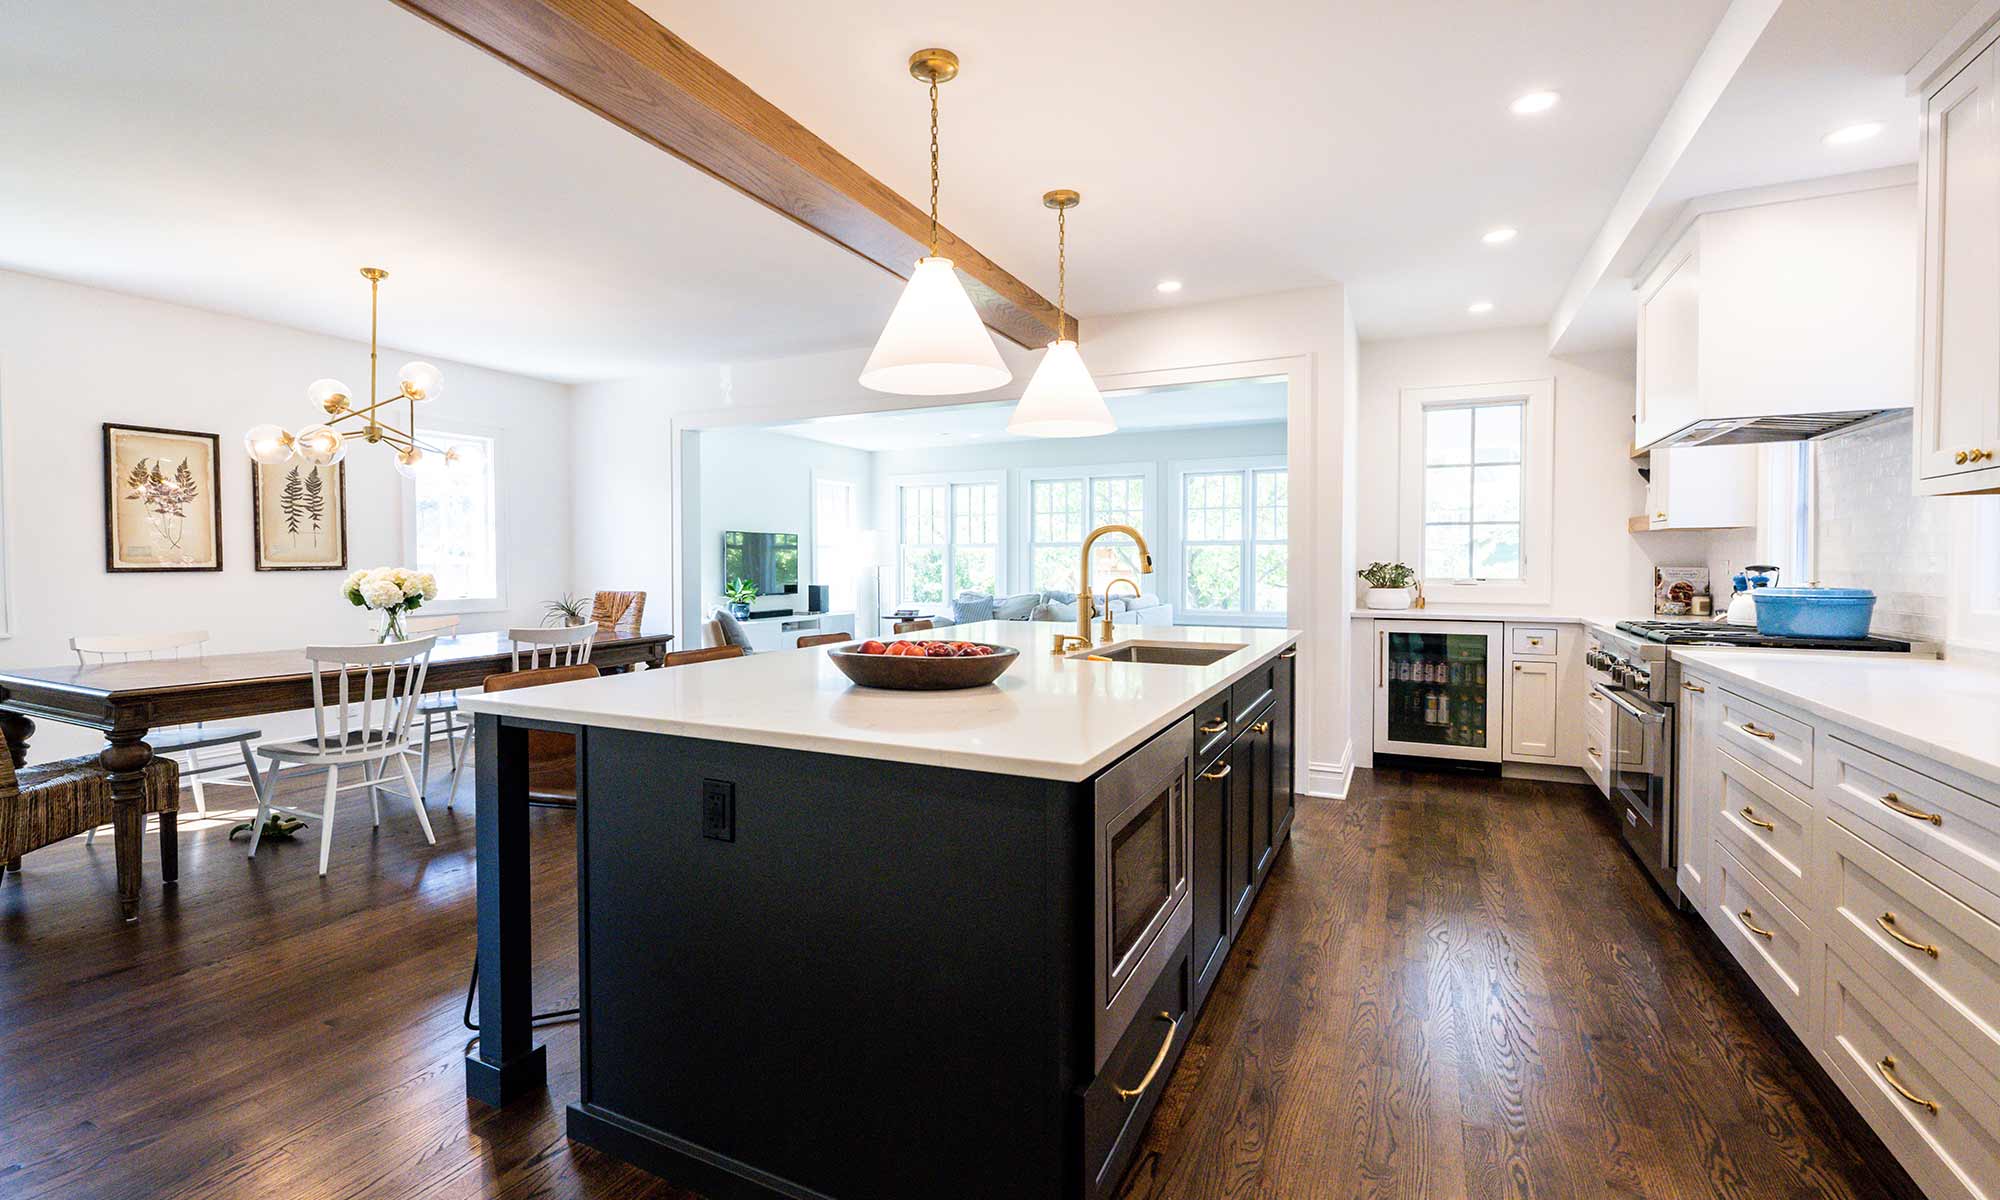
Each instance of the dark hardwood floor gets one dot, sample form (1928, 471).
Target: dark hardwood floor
(1452, 987)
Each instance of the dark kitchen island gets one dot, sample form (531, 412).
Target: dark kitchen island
(841, 942)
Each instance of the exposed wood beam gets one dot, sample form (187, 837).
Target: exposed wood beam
(613, 59)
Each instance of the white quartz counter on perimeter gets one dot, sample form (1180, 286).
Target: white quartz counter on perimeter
(1046, 718)
(1945, 711)
(1438, 614)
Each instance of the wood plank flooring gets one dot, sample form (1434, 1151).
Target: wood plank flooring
(1452, 987)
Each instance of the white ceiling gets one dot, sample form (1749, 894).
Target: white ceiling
(248, 158)
(1140, 410)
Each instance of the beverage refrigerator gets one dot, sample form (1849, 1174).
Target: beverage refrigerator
(1437, 689)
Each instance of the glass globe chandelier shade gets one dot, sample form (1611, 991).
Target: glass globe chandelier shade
(1062, 400)
(268, 445)
(329, 396)
(407, 462)
(421, 381)
(321, 445)
(934, 343)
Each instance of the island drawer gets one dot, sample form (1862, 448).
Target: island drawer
(1211, 730)
(1784, 744)
(1766, 827)
(1945, 834)
(1250, 692)
(1118, 1103)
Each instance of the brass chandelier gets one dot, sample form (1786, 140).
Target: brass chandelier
(322, 444)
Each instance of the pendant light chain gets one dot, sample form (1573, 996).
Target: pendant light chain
(934, 167)
(1062, 271)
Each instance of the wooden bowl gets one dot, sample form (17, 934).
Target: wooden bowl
(904, 673)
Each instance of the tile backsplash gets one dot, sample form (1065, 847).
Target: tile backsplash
(1872, 532)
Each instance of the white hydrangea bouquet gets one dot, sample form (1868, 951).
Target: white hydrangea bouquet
(391, 591)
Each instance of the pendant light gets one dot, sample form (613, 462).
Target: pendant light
(1062, 399)
(934, 344)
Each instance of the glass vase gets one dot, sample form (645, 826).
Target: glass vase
(392, 626)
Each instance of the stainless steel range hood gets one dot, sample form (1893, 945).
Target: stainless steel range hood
(1743, 431)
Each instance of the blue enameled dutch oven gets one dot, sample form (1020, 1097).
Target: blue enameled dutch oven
(1814, 612)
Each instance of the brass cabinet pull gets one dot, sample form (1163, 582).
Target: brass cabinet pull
(1888, 923)
(1261, 727)
(1289, 652)
(1750, 925)
(1888, 1068)
(1959, 458)
(1159, 1060)
(1593, 751)
(1689, 686)
(1753, 731)
(1750, 815)
(1216, 726)
(1975, 455)
(1221, 772)
(1895, 804)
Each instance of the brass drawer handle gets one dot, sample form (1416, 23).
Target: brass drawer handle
(1959, 458)
(1888, 923)
(1755, 732)
(1159, 1060)
(1895, 804)
(1750, 815)
(1216, 726)
(1261, 727)
(1976, 455)
(1593, 751)
(1289, 652)
(1221, 772)
(1888, 1068)
(1750, 925)
(1692, 687)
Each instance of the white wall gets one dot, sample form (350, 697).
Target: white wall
(74, 357)
(756, 480)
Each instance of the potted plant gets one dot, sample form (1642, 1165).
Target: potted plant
(739, 593)
(1390, 585)
(568, 611)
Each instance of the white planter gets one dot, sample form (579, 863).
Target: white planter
(1389, 597)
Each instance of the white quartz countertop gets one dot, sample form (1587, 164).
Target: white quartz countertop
(1945, 711)
(1444, 614)
(1046, 718)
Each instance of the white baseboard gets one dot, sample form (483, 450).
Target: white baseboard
(1331, 779)
(1544, 772)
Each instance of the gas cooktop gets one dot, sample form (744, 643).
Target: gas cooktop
(1710, 633)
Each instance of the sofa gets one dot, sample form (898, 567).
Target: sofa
(1143, 609)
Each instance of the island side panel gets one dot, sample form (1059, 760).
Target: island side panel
(866, 989)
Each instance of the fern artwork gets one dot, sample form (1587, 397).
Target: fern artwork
(301, 516)
(162, 510)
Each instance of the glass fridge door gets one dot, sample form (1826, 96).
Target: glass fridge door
(1435, 687)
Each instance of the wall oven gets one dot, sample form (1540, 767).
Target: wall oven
(1640, 764)
(1143, 905)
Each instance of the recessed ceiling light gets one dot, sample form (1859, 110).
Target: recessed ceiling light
(1167, 287)
(1532, 103)
(1479, 307)
(1500, 236)
(1853, 133)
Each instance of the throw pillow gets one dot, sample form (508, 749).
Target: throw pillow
(967, 607)
(733, 633)
(1016, 608)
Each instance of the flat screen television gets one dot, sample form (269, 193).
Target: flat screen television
(769, 560)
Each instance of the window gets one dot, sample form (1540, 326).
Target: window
(950, 539)
(1234, 525)
(1477, 488)
(1062, 511)
(454, 528)
(833, 540)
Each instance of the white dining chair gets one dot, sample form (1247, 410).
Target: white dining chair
(384, 681)
(183, 743)
(568, 646)
(440, 712)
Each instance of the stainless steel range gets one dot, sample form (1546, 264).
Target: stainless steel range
(1632, 671)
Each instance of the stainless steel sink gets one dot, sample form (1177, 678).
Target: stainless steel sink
(1177, 654)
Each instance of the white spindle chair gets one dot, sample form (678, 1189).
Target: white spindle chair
(565, 647)
(385, 682)
(440, 709)
(184, 742)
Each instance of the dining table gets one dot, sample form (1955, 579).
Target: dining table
(126, 700)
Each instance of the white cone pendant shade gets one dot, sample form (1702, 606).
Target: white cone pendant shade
(1062, 400)
(935, 343)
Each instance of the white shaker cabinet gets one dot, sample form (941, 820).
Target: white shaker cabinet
(1958, 401)
(1702, 487)
(1694, 787)
(1532, 699)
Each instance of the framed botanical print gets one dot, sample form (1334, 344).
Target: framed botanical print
(299, 516)
(162, 508)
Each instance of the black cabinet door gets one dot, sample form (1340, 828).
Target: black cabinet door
(1242, 760)
(1284, 731)
(1212, 898)
(1262, 814)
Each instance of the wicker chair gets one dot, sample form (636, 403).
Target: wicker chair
(618, 614)
(48, 802)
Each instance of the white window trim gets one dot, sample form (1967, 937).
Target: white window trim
(812, 571)
(1024, 484)
(896, 484)
(1176, 567)
(1538, 469)
(475, 604)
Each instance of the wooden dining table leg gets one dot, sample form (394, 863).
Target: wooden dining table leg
(125, 761)
(17, 729)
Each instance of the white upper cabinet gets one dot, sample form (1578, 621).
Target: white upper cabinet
(1786, 307)
(1702, 487)
(1958, 406)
